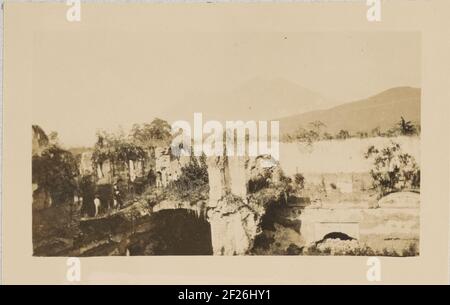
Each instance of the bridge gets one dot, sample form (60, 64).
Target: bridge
(235, 222)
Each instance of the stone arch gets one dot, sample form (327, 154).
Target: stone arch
(336, 235)
(173, 232)
(336, 230)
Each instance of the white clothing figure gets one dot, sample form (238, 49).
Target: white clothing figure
(97, 205)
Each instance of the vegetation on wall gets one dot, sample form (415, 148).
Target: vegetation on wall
(193, 181)
(118, 147)
(317, 131)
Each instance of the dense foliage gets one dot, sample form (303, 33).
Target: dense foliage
(55, 170)
(193, 179)
(118, 147)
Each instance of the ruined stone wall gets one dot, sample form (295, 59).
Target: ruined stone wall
(338, 156)
(393, 223)
(238, 176)
(234, 226)
(86, 166)
(228, 234)
(39, 140)
(235, 221)
(167, 167)
(216, 178)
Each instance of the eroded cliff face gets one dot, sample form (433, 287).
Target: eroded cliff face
(237, 176)
(216, 180)
(234, 226)
(234, 216)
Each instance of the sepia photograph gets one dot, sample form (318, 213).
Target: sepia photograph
(225, 152)
(226, 143)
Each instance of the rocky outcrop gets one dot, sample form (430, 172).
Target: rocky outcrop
(234, 226)
(234, 216)
(237, 177)
(216, 180)
(40, 140)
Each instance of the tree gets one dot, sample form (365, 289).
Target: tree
(158, 132)
(362, 134)
(376, 132)
(193, 180)
(53, 138)
(55, 171)
(343, 134)
(305, 135)
(317, 126)
(116, 148)
(407, 128)
(299, 180)
(327, 136)
(126, 151)
(392, 169)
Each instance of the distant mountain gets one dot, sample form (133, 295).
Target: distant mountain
(259, 99)
(382, 110)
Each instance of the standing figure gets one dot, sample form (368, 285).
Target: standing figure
(116, 196)
(97, 205)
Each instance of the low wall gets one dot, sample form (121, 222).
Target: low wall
(338, 156)
(395, 223)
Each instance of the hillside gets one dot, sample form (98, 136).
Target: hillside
(382, 110)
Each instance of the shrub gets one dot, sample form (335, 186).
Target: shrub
(260, 182)
(327, 136)
(393, 170)
(412, 250)
(376, 132)
(193, 179)
(339, 247)
(293, 249)
(362, 134)
(299, 180)
(306, 135)
(343, 134)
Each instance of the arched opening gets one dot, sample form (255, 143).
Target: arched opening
(280, 231)
(173, 232)
(335, 235)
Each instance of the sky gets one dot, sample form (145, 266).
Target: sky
(85, 81)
